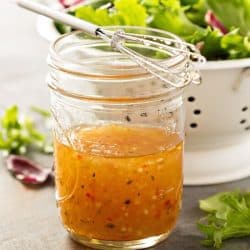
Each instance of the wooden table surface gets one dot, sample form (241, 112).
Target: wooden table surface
(28, 217)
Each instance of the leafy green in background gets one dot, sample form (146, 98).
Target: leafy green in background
(170, 15)
(228, 217)
(236, 45)
(18, 132)
(124, 12)
(185, 18)
(235, 15)
(232, 13)
(196, 11)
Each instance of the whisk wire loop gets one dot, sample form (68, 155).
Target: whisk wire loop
(161, 71)
(119, 40)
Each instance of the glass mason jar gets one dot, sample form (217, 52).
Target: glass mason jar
(118, 139)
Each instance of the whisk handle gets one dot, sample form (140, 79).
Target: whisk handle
(59, 16)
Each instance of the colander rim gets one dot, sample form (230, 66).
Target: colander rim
(225, 64)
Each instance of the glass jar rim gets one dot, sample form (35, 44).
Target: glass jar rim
(130, 71)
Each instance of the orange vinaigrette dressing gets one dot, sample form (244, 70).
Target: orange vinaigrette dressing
(119, 182)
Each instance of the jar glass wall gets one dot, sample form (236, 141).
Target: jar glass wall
(118, 139)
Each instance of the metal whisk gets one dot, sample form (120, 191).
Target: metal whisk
(119, 39)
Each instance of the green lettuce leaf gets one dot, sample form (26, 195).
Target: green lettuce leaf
(196, 11)
(184, 18)
(218, 46)
(229, 217)
(125, 12)
(213, 203)
(232, 13)
(236, 45)
(169, 15)
(18, 132)
(99, 16)
(209, 42)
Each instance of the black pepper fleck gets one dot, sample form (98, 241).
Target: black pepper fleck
(87, 221)
(152, 178)
(129, 182)
(128, 118)
(82, 186)
(93, 175)
(110, 225)
(138, 194)
(84, 221)
(127, 202)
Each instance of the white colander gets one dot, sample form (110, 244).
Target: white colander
(217, 120)
(218, 124)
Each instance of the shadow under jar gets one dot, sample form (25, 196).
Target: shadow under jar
(118, 139)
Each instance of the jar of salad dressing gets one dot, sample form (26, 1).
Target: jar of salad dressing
(118, 139)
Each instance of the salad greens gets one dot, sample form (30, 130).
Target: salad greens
(123, 13)
(43, 112)
(228, 217)
(186, 18)
(196, 11)
(169, 15)
(233, 13)
(17, 133)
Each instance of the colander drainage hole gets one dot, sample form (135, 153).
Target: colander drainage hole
(244, 109)
(197, 111)
(191, 99)
(193, 125)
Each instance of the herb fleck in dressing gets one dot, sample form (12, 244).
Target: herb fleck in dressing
(105, 196)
